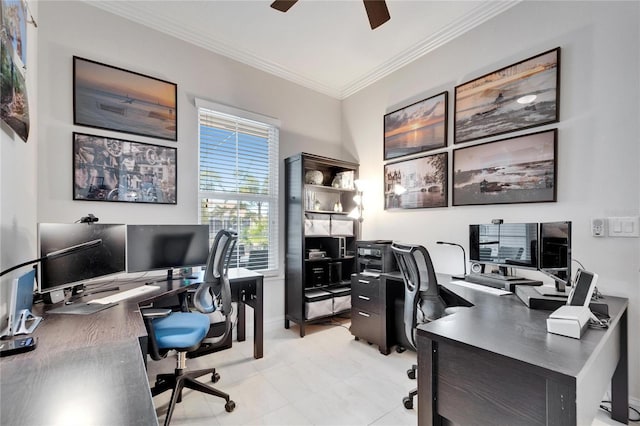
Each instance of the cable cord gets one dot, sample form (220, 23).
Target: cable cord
(631, 409)
(578, 262)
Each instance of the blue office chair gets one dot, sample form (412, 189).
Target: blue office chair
(184, 331)
(422, 301)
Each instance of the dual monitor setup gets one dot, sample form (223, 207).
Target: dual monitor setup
(122, 248)
(545, 247)
(71, 254)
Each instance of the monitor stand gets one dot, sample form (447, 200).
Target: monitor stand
(559, 290)
(168, 278)
(504, 275)
(27, 322)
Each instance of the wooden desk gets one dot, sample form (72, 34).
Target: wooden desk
(90, 368)
(496, 362)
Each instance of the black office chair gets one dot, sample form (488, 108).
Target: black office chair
(184, 331)
(422, 301)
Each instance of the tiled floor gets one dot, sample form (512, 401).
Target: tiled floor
(325, 378)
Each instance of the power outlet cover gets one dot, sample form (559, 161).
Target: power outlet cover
(598, 227)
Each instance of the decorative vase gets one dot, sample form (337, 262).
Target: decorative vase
(313, 177)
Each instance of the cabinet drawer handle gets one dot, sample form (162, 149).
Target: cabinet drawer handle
(364, 281)
(364, 297)
(364, 314)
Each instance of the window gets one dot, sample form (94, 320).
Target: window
(238, 181)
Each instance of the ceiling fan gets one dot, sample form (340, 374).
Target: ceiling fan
(376, 10)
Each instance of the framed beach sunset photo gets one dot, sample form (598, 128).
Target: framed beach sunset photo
(419, 127)
(520, 96)
(111, 98)
(521, 169)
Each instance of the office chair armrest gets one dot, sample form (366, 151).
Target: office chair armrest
(153, 313)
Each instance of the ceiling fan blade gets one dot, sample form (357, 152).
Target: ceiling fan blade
(377, 12)
(283, 5)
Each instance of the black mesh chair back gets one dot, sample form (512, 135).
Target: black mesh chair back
(215, 291)
(422, 299)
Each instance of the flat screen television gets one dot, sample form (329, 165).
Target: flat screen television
(68, 271)
(157, 247)
(555, 253)
(506, 245)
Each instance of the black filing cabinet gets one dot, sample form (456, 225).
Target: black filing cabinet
(373, 297)
(373, 301)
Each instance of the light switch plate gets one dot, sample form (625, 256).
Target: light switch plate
(628, 226)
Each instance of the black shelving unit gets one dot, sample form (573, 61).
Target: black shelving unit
(320, 238)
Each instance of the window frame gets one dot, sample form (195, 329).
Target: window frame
(272, 198)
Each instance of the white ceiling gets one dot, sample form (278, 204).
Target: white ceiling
(325, 45)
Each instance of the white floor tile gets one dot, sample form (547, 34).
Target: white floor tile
(325, 378)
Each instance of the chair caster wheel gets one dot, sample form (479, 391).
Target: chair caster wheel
(357, 338)
(215, 377)
(400, 349)
(411, 374)
(229, 406)
(407, 402)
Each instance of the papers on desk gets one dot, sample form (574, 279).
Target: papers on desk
(482, 288)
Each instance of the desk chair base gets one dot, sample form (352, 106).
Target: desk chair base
(187, 379)
(407, 401)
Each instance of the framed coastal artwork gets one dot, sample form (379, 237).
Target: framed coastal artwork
(521, 169)
(107, 97)
(520, 96)
(14, 105)
(107, 169)
(419, 127)
(416, 183)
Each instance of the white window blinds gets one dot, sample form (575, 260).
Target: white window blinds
(238, 182)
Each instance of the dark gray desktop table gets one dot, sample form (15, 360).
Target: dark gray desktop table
(496, 363)
(90, 368)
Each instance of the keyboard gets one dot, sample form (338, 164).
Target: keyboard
(127, 294)
(482, 288)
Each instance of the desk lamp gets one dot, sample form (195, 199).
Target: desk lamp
(464, 259)
(29, 343)
(56, 254)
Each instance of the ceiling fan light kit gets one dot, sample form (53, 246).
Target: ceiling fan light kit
(377, 10)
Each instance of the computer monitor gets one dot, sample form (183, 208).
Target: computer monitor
(555, 253)
(68, 271)
(157, 247)
(506, 245)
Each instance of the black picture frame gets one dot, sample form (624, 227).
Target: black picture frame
(118, 170)
(419, 127)
(517, 97)
(417, 183)
(519, 169)
(112, 98)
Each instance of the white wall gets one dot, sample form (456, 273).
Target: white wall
(18, 182)
(310, 121)
(597, 141)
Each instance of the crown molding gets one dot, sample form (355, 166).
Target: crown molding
(135, 11)
(480, 14)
